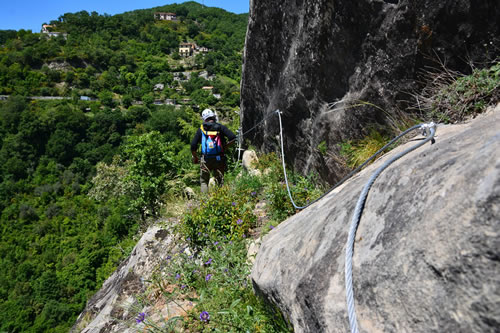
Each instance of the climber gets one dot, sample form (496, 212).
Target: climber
(212, 137)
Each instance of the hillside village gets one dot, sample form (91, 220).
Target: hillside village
(184, 64)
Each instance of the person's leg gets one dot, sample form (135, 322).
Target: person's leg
(204, 175)
(219, 173)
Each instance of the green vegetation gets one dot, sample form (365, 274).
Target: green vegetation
(209, 275)
(453, 97)
(81, 178)
(356, 152)
(120, 59)
(448, 97)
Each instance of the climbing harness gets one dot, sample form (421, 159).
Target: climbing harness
(429, 130)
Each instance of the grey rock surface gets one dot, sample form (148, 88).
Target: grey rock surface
(427, 250)
(114, 307)
(322, 61)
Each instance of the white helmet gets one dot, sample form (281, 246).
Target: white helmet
(207, 113)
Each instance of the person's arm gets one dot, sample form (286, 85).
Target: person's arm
(194, 146)
(229, 135)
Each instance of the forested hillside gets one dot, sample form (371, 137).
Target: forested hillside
(79, 175)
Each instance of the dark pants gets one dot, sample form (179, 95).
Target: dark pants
(211, 166)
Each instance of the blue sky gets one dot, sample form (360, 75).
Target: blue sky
(31, 14)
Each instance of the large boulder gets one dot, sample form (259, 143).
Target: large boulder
(336, 67)
(114, 307)
(427, 250)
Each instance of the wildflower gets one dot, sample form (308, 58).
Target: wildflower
(226, 270)
(209, 261)
(178, 276)
(234, 203)
(140, 318)
(183, 286)
(204, 316)
(188, 239)
(271, 227)
(244, 236)
(253, 193)
(239, 221)
(215, 243)
(169, 257)
(208, 277)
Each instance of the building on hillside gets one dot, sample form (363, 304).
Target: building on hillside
(170, 101)
(48, 30)
(159, 86)
(207, 88)
(186, 49)
(165, 16)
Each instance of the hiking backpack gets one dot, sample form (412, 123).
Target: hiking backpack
(211, 142)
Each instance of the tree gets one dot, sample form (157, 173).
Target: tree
(151, 165)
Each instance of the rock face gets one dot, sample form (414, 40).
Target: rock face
(114, 307)
(427, 250)
(315, 59)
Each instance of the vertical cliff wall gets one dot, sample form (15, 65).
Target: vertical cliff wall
(312, 59)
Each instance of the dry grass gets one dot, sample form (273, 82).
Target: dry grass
(452, 97)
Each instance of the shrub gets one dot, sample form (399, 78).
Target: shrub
(222, 214)
(216, 282)
(453, 97)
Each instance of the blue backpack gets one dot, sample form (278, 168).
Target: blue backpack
(211, 143)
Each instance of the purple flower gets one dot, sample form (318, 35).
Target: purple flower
(183, 286)
(204, 316)
(234, 203)
(189, 239)
(140, 318)
(244, 236)
(208, 277)
(271, 227)
(169, 257)
(226, 270)
(209, 261)
(215, 243)
(239, 221)
(178, 276)
(253, 193)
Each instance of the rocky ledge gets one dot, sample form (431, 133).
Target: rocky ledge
(427, 250)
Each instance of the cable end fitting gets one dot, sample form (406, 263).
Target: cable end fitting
(427, 129)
